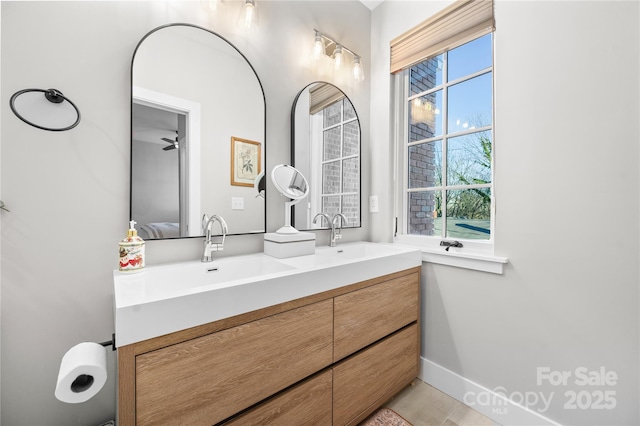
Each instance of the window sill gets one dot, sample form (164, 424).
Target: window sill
(476, 260)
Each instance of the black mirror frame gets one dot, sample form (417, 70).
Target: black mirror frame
(293, 148)
(131, 118)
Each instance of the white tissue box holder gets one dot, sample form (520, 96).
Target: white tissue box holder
(289, 245)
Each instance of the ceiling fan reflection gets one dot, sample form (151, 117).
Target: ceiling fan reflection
(173, 144)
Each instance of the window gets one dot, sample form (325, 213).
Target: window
(443, 91)
(447, 143)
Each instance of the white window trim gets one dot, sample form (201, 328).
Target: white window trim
(471, 256)
(476, 254)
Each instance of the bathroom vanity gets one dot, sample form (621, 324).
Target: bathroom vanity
(341, 338)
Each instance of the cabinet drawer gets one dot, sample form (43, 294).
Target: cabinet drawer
(366, 380)
(308, 403)
(205, 380)
(365, 316)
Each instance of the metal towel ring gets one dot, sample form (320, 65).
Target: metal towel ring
(53, 96)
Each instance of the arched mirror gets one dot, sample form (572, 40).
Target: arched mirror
(198, 134)
(325, 148)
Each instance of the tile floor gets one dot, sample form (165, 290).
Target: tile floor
(424, 405)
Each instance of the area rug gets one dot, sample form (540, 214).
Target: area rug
(385, 417)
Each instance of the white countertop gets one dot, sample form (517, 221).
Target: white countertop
(168, 298)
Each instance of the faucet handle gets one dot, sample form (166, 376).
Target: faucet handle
(205, 220)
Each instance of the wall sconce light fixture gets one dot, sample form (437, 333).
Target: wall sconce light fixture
(45, 109)
(323, 45)
(248, 18)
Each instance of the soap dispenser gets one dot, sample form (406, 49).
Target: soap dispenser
(132, 251)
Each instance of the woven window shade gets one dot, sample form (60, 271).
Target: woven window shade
(455, 25)
(323, 95)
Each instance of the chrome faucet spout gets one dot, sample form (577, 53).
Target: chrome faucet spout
(209, 245)
(325, 216)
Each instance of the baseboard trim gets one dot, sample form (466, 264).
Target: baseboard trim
(495, 405)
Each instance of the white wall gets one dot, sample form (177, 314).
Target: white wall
(68, 192)
(567, 190)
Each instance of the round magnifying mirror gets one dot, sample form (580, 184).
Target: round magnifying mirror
(290, 182)
(293, 185)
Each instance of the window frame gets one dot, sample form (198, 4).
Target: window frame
(475, 252)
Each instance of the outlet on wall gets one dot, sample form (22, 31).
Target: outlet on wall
(373, 204)
(237, 203)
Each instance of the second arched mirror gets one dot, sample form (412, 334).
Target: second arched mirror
(325, 148)
(198, 134)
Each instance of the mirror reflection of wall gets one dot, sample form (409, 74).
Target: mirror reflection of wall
(192, 94)
(326, 149)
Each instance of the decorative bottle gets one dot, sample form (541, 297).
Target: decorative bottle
(132, 251)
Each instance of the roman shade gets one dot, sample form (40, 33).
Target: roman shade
(455, 25)
(323, 95)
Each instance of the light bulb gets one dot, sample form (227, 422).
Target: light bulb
(358, 72)
(248, 18)
(318, 47)
(212, 5)
(337, 57)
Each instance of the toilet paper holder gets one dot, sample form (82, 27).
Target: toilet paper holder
(111, 342)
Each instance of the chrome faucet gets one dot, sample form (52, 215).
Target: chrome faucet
(209, 245)
(333, 236)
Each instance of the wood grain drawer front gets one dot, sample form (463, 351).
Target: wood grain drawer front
(366, 380)
(365, 316)
(308, 403)
(205, 380)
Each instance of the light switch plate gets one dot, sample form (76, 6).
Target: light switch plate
(237, 203)
(373, 204)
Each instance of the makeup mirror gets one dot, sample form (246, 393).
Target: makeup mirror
(292, 185)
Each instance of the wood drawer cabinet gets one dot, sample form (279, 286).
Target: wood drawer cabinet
(365, 316)
(278, 365)
(309, 403)
(205, 380)
(366, 380)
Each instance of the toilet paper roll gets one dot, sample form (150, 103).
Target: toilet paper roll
(83, 372)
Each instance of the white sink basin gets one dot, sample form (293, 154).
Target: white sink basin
(167, 298)
(341, 254)
(177, 279)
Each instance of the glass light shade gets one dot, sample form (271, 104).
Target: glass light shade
(248, 18)
(212, 5)
(358, 72)
(338, 57)
(318, 47)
